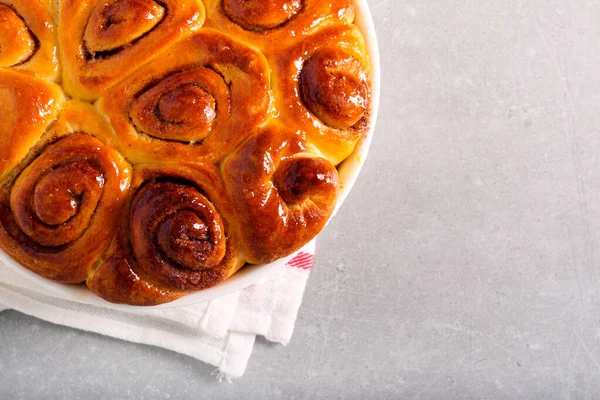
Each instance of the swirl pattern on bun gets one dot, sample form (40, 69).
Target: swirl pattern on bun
(322, 86)
(56, 214)
(202, 98)
(175, 237)
(27, 38)
(103, 40)
(282, 191)
(269, 24)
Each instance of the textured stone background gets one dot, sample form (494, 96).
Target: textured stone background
(465, 263)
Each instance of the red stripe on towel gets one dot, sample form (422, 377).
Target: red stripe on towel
(303, 261)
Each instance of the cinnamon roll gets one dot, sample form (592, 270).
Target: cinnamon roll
(58, 211)
(269, 24)
(204, 96)
(282, 192)
(175, 237)
(322, 87)
(27, 38)
(103, 41)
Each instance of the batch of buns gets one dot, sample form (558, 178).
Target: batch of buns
(152, 148)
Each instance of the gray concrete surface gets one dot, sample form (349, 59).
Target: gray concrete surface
(465, 263)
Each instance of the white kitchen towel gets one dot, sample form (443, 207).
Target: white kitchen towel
(220, 332)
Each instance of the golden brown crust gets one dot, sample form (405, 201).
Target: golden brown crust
(282, 193)
(27, 106)
(57, 215)
(271, 25)
(261, 15)
(116, 281)
(174, 237)
(102, 41)
(28, 38)
(225, 82)
(322, 87)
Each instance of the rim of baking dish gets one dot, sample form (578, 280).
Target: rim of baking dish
(349, 171)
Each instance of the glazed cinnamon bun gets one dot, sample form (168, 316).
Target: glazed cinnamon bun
(28, 38)
(175, 237)
(204, 96)
(104, 40)
(322, 87)
(58, 211)
(271, 24)
(283, 193)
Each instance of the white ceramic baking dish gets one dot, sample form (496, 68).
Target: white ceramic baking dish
(349, 171)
